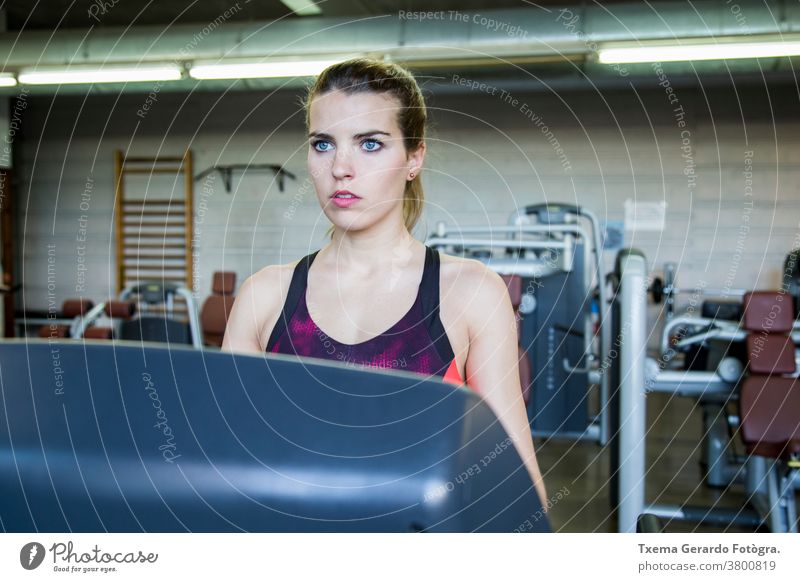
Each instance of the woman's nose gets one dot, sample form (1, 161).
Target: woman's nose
(342, 165)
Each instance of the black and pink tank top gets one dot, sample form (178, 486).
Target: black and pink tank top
(417, 343)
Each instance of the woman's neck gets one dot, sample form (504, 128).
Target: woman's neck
(370, 254)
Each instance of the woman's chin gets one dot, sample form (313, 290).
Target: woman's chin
(348, 223)
(351, 227)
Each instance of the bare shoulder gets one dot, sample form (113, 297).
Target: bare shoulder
(468, 276)
(260, 300)
(472, 288)
(271, 276)
(454, 267)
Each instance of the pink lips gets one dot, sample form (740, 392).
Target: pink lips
(344, 198)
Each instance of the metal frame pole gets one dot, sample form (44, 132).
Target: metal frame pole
(633, 408)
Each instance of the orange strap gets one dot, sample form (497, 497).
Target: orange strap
(453, 376)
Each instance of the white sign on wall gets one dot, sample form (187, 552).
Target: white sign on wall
(640, 215)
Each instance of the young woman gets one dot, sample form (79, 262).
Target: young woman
(383, 298)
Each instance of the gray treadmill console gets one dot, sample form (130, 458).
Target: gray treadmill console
(127, 437)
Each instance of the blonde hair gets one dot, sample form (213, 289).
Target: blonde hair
(362, 75)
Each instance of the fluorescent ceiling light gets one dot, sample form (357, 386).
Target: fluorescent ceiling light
(7, 80)
(99, 75)
(302, 7)
(697, 52)
(259, 70)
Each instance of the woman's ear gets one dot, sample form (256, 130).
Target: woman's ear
(415, 160)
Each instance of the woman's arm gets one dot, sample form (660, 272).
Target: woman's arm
(246, 320)
(492, 366)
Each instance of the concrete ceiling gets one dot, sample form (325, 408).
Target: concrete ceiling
(60, 14)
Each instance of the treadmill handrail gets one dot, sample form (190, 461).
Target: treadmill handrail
(191, 308)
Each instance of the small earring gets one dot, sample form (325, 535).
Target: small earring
(412, 175)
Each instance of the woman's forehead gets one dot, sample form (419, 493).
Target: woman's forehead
(340, 111)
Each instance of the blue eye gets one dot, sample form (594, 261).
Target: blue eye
(371, 145)
(321, 145)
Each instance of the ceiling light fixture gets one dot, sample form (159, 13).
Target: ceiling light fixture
(662, 53)
(259, 70)
(81, 74)
(302, 7)
(7, 80)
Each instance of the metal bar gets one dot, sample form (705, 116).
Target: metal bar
(728, 327)
(164, 235)
(150, 201)
(789, 505)
(188, 183)
(592, 433)
(194, 322)
(118, 198)
(7, 255)
(522, 229)
(166, 224)
(156, 274)
(154, 160)
(687, 383)
(604, 314)
(633, 342)
(712, 334)
(775, 516)
(711, 291)
(504, 243)
(148, 257)
(88, 319)
(795, 477)
(707, 515)
(161, 213)
(135, 279)
(153, 246)
(151, 170)
(527, 268)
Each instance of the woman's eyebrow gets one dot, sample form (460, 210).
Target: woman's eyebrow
(369, 133)
(356, 136)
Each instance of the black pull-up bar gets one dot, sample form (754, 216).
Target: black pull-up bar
(227, 173)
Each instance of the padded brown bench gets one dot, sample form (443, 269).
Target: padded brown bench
(116, 310)
(70, 309)
(769, 400)
(217, 308)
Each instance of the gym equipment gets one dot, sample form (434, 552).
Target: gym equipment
(8, 254)
(665, 290)
(715, 341)
(770, 407)
(791, 278)
(769, 485)
(115, 311)
(124, 437)
(217, 308)
(649, 523)
(548, 247)
(155, 318)
(72, 310)
(226, 172)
